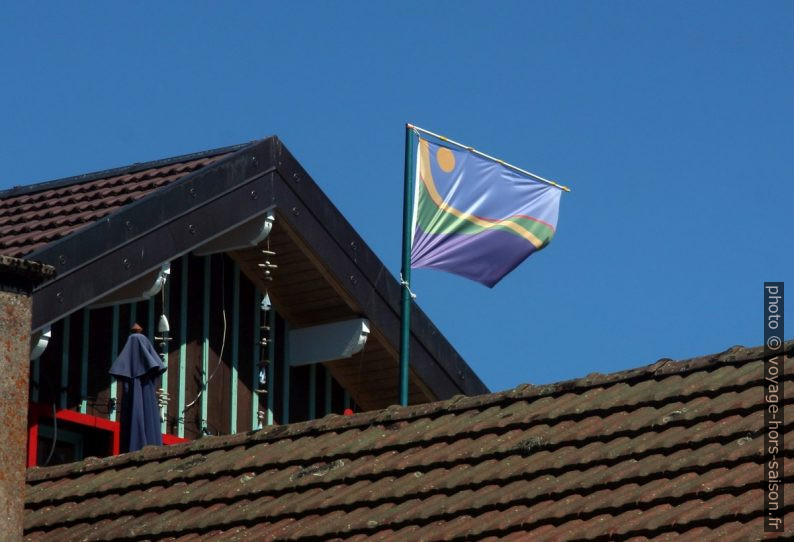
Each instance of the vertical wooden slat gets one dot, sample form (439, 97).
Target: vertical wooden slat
(328, 391)
(114, 351)
(271, 365)
(219, 343)
(194, 339)
(98, 393)
(67, 331)
(257, 350)
(133, 316)
(164, 378)
(285, 378)
(50, 366)
(182, 348)
(235, 348)
(312, 391)
(84, 361)
(205, 342)
(150, 319)
(245, 355)
(299, 393)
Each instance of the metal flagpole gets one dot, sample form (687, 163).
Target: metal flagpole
(405, 275)
(489, 157)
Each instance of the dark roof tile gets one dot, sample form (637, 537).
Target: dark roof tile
(33, 218)
(667, 450)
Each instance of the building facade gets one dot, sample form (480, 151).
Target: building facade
(266, 305)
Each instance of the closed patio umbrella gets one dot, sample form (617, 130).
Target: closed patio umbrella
(138, 367)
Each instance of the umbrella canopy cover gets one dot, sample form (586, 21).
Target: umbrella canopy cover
(138, 367)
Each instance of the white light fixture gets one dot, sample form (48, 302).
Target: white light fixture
(139, 289)
(39, 342)
(246, 235)
(327, 342)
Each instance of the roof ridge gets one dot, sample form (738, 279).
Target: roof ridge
(122, 170)
(663, 367)
(336, 422)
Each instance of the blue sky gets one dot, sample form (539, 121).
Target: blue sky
(671, 121)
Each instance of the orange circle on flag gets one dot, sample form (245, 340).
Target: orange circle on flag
(445, 158)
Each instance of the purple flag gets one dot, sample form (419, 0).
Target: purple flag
(476, 217)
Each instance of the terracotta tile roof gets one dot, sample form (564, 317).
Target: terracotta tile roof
(670, 450)
(33, 216)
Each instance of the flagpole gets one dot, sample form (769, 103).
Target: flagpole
(405, 275)
(489, 157)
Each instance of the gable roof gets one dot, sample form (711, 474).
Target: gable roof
(35, 215)
(104, 230)
(674, 448)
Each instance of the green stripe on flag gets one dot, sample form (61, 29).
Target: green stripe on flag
(433, 220)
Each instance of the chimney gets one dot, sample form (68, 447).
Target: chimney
(17, 280)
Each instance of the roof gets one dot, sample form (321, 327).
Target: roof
(104, 230)
(674, 448)
(33, 216)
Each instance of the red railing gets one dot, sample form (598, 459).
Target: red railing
(37, 411)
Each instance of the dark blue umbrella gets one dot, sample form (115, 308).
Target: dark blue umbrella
(138, 367)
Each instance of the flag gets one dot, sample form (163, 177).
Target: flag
(476, 217)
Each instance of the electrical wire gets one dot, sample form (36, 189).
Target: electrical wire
(162, 295)
(54, 435)
(206, 383)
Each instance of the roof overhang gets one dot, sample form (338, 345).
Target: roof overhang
(159, 228)
(231, 195)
